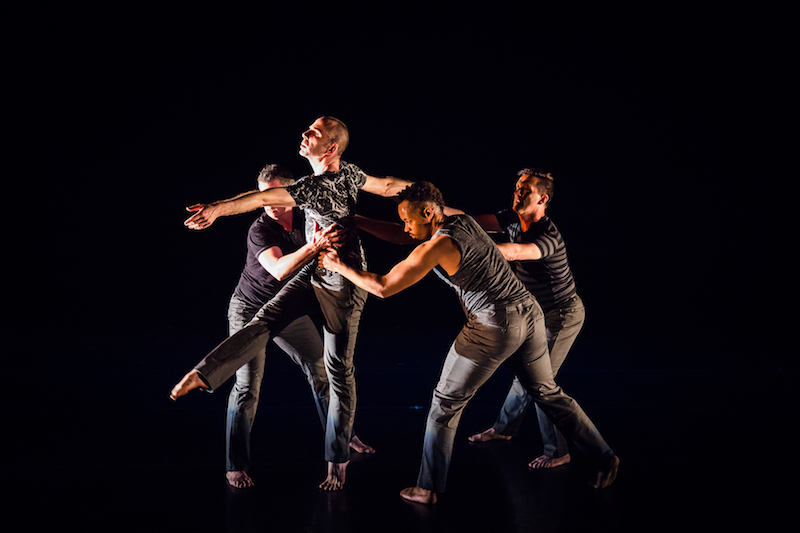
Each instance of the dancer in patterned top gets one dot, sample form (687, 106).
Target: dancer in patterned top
(327, 197)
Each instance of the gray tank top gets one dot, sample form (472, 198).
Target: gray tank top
(484, 279)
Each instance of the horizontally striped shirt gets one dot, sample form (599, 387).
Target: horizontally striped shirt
(549, 279)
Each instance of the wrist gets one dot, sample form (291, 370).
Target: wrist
(220, 209)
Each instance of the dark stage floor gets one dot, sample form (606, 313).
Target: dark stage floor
(105, 449)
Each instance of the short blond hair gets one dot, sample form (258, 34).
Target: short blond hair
(337, 132)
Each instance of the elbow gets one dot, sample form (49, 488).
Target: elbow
(385, 292)
(281, 275)
(380, 291)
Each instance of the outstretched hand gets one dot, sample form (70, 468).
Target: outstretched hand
(204, 215)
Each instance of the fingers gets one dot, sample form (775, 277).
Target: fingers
(197, 221)
(328, 259)
(202, 218)
(330, 237)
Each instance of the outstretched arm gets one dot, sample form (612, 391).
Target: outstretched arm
(205, 214)
(438, 251)
(384, 230)
(489, 223)
(387, 187)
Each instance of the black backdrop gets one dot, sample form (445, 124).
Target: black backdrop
(653, 120)
(121, 118)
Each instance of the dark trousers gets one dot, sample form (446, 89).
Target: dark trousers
(563, 325)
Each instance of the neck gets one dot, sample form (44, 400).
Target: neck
(437, 222)
(526, 220)
(325, 164)
(285, 219)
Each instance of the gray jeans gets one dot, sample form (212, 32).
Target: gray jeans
(301, 341)
(563, 325)
(515, 334)
(342, 311)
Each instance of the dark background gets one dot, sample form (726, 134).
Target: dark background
(123, 121)
(648, 119)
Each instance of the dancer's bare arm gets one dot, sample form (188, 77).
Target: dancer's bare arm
(282, 266)
(440, 250)
(489, 223)
(205, 214)
(387, 186)
(520, 251)
(384, 230)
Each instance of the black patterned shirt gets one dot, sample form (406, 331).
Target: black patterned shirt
(330, 198)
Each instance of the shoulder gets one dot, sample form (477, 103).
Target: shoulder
(352, 172)
(548, 229)
(438, 250)
(442, 245)
(265, 226)
(263, 231)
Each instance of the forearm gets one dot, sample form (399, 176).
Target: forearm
(242, 203)
(387, 186)
(288, 264)
(405, 273)
(395, 186)
(374, 284)
(513, 251)
(253, 200)
(384, 230)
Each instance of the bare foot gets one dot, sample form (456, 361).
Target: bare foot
(335, 479)
(545, 461)
(190, 381)
(607, 474)
(239, 480)
(419, 495)
(359, 446)
(489, 434)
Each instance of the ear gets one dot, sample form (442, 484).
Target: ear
(333, 149)
(428, 213)
(543, 199)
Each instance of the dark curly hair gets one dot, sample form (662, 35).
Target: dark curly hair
(420, 193)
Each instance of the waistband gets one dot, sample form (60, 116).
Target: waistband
(520, 307)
